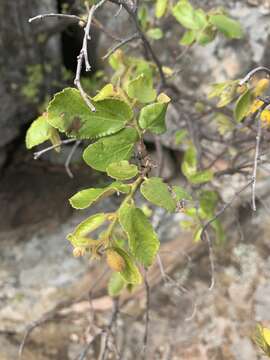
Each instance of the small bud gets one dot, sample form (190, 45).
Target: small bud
(115, 261)
(261, 87)
(77, 252)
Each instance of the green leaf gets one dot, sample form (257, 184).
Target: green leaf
(197, 235)
(90, 224)
(111, 149)
(208, 203)
(141, 89)
(155, 33)
(225, 90)
(157, 192)
(87, 197)
(201, 177)
(180, 193)
(242, 106)
(143, 16)
(39, 131)
(180, 136)
(131, 273)
(78, 237)
(161, 7)
(189, 165)
(122, 170)
(190, 18)
(69, 114)
(220, 234)
(152, 117)
(229, 27)
(188, 38)
(116, 284)
(206, 36)
(143, 241)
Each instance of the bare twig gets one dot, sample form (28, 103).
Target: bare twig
(132, 11)
(255, 167)
(252, 73)
(223, 209)
(83, 56)
(211, 259)
(87, 348)
(122, 43)
(68, 159)
(115, 312)
(37, 154)
(59, 16)
(147, 317)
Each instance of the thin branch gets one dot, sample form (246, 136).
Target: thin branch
(133, 14)
(122, 43)
(147, 317)
(37, 154)
(70, 155)
(252, 73)
(255, 167)
(223, 209)
(87, 348)
(102, 355)
(83, 56)
(59, 16)
(211, 259)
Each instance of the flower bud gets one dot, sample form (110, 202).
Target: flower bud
(77, 252)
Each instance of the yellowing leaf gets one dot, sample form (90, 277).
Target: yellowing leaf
(143, 241)
(141, 89)
(255, 106)
(163, 98)
(265, 117)
(261, 87)
(39, 131)
(266, 335)
(87, 197)
(161, 7)
(106, 92)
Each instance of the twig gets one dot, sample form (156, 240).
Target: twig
(60, 16)
(133, 14)
(68, 160)
(255, 167)
(85, 351)
(211, 259)
(37, 154)
(252, 73)
(122, 43)
(147, 317)
(115, 312)
(83, 56)
(224, 208)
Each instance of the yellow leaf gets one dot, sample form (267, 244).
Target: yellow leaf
(266, 335)
(255, 106)
(163, 98)
(167, 70)
(261, 86)
(265, 117)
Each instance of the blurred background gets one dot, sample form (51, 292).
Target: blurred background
(37, 271)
